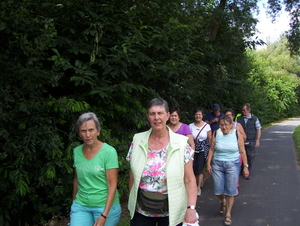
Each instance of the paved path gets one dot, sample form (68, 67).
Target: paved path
(272, 196)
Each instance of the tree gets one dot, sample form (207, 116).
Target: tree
(59, 60)
(276, 77)
(293, 7)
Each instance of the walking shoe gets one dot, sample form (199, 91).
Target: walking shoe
(199, 192)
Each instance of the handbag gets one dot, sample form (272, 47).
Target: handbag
(153, 202)
(204, 147)
(199, 144)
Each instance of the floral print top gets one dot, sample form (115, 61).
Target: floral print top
(154, 174)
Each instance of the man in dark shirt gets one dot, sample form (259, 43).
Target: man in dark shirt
(212, 118)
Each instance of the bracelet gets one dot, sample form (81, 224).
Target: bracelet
(102, 215)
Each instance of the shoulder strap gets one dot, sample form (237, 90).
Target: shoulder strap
(215, 132)
(201, 130)
(235, 125)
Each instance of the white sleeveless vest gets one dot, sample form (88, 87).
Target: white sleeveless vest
(177, 193)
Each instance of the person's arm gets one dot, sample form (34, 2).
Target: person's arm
(112, 181)
(243, 154)
(207, 119)
(128, 158)
(191, 187)
(211, 153)
(209, 137)
(75, 186)
(242, 131)
(258, 135)
(191, 141)
(212, 121)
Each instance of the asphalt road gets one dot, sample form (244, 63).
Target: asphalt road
(272, 196)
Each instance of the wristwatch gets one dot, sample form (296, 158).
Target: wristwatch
(191, 207)
(246, 165)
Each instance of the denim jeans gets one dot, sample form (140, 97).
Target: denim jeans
(84, 215)
(226, 175)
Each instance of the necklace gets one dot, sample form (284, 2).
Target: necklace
(157, 141)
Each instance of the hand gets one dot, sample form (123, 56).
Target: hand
(246, 172)
(190, 216)
(257, 144)
(209, 169)
(100, 221)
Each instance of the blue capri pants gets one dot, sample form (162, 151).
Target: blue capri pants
(226, 176)
(84, 215)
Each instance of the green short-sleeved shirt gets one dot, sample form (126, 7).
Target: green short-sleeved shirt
(91, 175)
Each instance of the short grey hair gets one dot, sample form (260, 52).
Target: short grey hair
(225, 118)
(247, 105)
(158, 102)
(86, 117)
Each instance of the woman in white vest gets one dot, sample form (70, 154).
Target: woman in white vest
(162, 184)
(223, 163)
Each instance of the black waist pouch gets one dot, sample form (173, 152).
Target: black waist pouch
(153, 202)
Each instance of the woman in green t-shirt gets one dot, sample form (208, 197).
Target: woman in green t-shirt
(95, 195)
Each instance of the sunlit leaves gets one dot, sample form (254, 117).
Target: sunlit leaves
(60, 59)
(275, 76)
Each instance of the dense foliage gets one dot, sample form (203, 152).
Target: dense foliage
(275, 75)
(59, 60)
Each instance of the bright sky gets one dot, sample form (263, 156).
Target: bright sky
(270, 32)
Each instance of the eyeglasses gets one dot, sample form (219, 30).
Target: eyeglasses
(244, 110)
(224, 125)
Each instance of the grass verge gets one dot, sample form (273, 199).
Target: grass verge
(296, 137)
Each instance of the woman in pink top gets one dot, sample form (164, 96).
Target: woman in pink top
(178, 127)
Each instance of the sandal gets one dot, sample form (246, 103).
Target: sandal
(227, 222)
(222, 209)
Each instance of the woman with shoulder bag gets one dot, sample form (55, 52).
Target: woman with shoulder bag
(224, 164)
(201, 132)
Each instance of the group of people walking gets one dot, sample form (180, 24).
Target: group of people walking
(166, 166)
